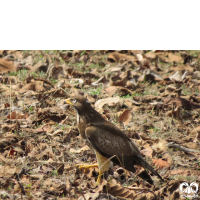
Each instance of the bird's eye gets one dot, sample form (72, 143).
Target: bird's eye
(74, 100)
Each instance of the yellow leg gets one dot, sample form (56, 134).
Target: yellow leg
(86, 167)
(99, 177)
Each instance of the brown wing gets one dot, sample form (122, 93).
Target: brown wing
(108, 140)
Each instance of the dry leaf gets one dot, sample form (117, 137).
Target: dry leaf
(175, 113)
(6, 66)
(191, 145)
(125, 117)
(159, 163)
(25, 179)
(111, 101)
(120, 91)
(117, 190)
(119, 57)
(11, 152)
(36, 86)
(177, 76)
(175, 58)
(8, 171)
(85, 148)
(182, 68)
(16, 115)
(188, 105)
(160, 145)
(57, 72)
(196, 131)
(148, 152)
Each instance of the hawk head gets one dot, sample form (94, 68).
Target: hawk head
(80, 103)
(84, 108)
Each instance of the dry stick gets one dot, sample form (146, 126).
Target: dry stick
(10, 146)
(137, 188)
(1, 114)
(50, 144)
(196, 133)
(10, 101)
(170, 144)
(32, 195)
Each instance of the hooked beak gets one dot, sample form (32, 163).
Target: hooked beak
(68, 101)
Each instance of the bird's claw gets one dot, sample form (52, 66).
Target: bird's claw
(99, 177)
(85, 167)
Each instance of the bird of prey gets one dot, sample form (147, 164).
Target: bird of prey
(107, 141)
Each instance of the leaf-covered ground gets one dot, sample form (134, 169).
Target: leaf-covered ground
(153, 96)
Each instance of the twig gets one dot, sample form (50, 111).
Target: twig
(195, 140)
(44, 80)
(1, 112)
(48, 92)
(3, 158)
(10, 100)
(136, 188)
(170, 144)
(32, 195)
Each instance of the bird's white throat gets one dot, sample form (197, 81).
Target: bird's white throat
(78, 118)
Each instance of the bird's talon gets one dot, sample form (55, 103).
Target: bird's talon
(98, 181)
(85, 170)
(99, 177)
(85, 167)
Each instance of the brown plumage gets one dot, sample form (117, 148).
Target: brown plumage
(107, 140)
